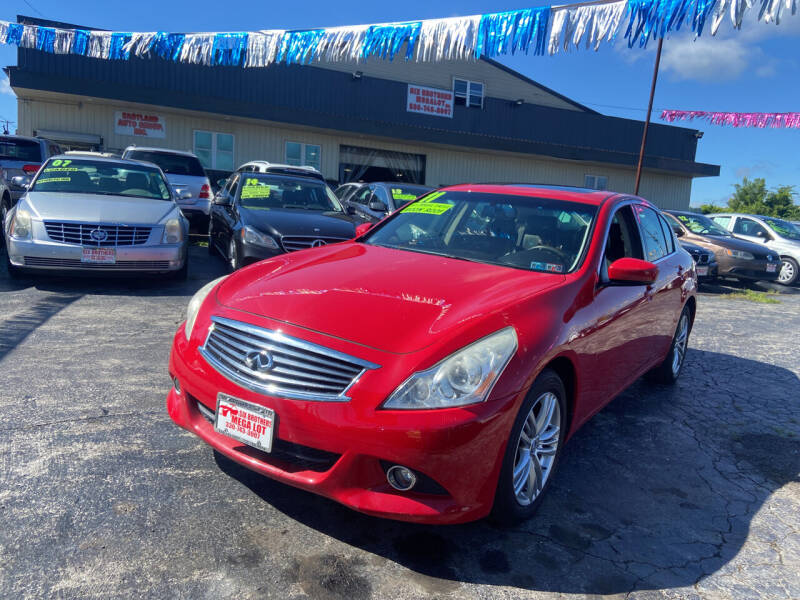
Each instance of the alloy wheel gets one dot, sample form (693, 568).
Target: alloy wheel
(787, 272)
(233, 258)
(679, 347)
(536, 448)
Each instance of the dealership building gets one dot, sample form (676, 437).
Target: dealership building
(432, 123)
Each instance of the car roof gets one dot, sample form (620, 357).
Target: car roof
(28, 138)
(535, 190)
(161, 150)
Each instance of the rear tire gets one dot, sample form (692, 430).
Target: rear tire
(789, 271)
(533, 450)
(670, 369)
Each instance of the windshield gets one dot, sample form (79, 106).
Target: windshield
(535, 234)
(73, 176)
(22, 150)
(265, 192)
(172, 164)
(403, 194)
(783, 228)
(702, 225)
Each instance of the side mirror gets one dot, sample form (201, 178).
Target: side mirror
(632, 271)
(678, 232)
(350, 210)
(223, 199)
(378, 206)
(363, 228)
(22, 181)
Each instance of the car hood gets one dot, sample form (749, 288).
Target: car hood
(733, 243)
(299, 222)
(91, 208)
(391, 300)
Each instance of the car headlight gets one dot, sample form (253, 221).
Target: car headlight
(173, 232)
(253, 236)
(195, 303)
(739, 254)
(21, 224)
(465, 377)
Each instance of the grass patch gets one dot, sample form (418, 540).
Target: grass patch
(754, 296)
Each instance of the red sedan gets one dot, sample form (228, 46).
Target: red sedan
(432, 369)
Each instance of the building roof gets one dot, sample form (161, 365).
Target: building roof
(329, 99)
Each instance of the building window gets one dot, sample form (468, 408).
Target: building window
(468, 93)
(215, 150)
(596, 182)
(303, 155)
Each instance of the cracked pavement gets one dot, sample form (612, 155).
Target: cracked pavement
(684, 492)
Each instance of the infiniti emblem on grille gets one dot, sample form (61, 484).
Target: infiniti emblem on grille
(317, 243)
(99, 235)
(259, 360)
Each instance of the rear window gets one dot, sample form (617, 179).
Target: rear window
(173, 164)
(22, 150)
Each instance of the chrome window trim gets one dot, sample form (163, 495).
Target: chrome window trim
(278, 337)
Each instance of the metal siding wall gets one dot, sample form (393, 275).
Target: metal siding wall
(256, 141)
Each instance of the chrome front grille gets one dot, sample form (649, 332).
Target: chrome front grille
(76, 263)
(112, 235)
(272, 363)
(291, 243)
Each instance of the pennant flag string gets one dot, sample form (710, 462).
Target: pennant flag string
(539, 30)
(789, 120)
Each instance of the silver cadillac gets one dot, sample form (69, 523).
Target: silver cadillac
(97, 214)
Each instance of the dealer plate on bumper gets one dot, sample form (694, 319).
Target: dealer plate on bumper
(244, 421)
(772, 268)
(99, 255)
(702, 271)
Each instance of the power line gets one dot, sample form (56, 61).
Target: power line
(33, 8)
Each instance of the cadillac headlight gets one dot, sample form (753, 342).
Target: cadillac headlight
(195, 303)
(253, 236)
(21, 224)
(173, 232)
(739, 254)
(465, 377)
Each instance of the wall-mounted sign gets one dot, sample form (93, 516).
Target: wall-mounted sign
(430, 101)
(139, 125)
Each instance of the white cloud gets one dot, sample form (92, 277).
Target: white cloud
(5, 87)
(707, 59)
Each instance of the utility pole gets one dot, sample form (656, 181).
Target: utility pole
(649, 111)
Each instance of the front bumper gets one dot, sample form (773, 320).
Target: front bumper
(458, 450)
(50, 256)
(747, 269)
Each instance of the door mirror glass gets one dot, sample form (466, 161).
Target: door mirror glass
(21, 181)
(678, 231)
(223, 199)
(378, 206)
(632, 271)
(362, 229)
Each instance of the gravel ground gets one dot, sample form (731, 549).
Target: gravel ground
(684, 492)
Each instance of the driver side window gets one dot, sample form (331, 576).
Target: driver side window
(749, 227)
(623, 239)
(233, 187)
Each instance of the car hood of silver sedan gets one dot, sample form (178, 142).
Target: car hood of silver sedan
(95, 208)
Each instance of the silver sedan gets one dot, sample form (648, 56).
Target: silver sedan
(97, 214)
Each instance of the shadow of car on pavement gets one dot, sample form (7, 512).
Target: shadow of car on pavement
(656, 491)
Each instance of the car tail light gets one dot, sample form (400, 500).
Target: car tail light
(205, 191)
(30, 168)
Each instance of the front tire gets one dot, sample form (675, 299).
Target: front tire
(533, 450)
(234, 263)
(670, 369)
(789, 271)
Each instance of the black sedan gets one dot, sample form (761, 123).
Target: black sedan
(705, 262)
(258, 215)
(373, 201)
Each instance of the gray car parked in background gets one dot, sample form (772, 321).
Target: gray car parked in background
(777, 234)
(21, 156)
(185, 173)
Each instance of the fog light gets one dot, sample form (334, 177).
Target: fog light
(177, 384)
(401, 478)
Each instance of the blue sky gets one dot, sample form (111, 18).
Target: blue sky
(756, 69)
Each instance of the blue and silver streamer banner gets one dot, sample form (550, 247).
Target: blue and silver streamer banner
(539, 30)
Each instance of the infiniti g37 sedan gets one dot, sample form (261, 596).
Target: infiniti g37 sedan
(97, 214)
(432, 369)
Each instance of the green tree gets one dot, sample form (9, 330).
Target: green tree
(753, 196)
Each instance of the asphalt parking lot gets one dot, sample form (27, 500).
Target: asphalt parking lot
(684, 492)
